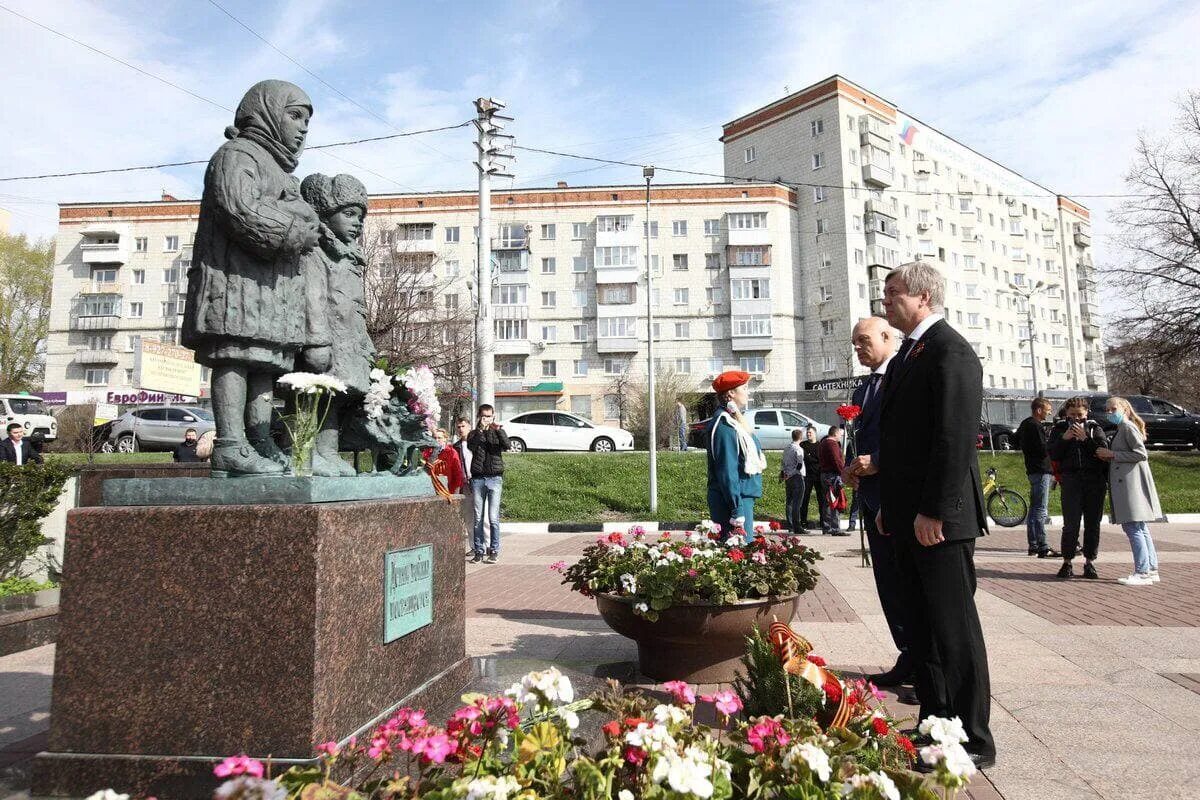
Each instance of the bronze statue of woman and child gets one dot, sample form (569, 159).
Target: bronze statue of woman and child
(276, 285)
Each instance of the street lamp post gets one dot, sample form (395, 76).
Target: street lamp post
(648, 174)
(1027, 295)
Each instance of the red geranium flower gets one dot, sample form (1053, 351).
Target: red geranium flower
(832, 689)
(612, 728)
(880, 726)
(736, 555)
(907, 745)
(775, 525)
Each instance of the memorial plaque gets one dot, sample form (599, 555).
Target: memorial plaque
(407, 591)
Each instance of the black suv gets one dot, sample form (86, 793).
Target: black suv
(1167, 425)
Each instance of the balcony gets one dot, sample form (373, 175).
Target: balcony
(923, 227)
(1049, 242)
(413, 239)
(874, 133)
(93, 252)
(877, 175)
(511, 266)
(749, 237)
(86, 356)
(737, 256)
(881, 258)
(1083, 235)
(616, 344)
(1096, 380)
(1014, 209)
(1048, 223)
(108, 322)
(617, 231)
(511, 347)
(874, 206)
(102, 287)
(1091, 331)
(922, 166)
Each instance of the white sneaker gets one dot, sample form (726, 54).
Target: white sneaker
(1154, 576)
(1136, 580)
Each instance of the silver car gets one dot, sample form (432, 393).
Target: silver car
(157, 427)
(774, 426)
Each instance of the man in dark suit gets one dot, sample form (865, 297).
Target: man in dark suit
(875, 344)
(931, 502)
(15, 449)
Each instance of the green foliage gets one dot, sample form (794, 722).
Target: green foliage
(26, 269)
(10, 587)
(763, 685)
(27, 494)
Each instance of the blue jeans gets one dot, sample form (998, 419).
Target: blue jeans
(1145, 559)
(683, 437)
(1038, 516)
(486, 491)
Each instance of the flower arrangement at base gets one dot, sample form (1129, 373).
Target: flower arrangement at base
(417, 391)
(658, 571)
(308, 391)
(523, 745)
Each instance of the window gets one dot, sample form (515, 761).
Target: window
(452, 302)
(818, 160)
(712, 260)
(512, 368)
(860, 257)
(972, 320)
(749, 154)
(135, 310)
(824, 293)
(683, 365)
(549, 369)
(679, 262)
(549, 333)
(104, 275)
(139, 276)
(613, 223)
(579, 332)
(818, 194)
(852, 154)
(862, 291)
(745, 222)
(617, 294)
(579, 264)
(453, 268)
(683, 330)
(579, 298)
(580, 367)
(817, 126)
(100, 342)
(549, 232)
(170, 275)
(616, 366)
(170, 244)
(680, 297)
(753, 364)
(579, 230)
(827, 363)
(752, 325)
(616, 327)
(620, 256)
(827, 327)
(508, 330)
(453, 234)
(712, 227)
(712, 329)
(141, 244)
(750, 288)
(549, 266)
(822, 225)
(714, 295)
(548, 299)
(512, 294)
(95, 377)
(749, 256)
(679, 227)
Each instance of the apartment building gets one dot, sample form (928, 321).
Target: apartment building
(877, 187)
(568, 288)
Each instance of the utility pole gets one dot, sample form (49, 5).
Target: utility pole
(490, 143)
(1027, 295)
(648, 174)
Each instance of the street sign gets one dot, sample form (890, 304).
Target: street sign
(162, 367)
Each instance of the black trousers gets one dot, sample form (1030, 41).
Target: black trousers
(812, 484)
(946, 640)
(887, 579)
(1082, 497)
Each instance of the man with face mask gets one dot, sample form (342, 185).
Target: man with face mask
(186, 452)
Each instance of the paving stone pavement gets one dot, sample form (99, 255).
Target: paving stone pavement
(1095, 686)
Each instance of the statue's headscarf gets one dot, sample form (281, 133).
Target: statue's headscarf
(260, 114)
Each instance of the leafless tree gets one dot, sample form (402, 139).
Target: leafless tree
(623, 387)
(669, 387)
(1139, 367)
(1159, 270)
(418, 314)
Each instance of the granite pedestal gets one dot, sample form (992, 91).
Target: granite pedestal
(191, 633)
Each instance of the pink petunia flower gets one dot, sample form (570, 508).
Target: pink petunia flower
(725, 701)
(239, 765)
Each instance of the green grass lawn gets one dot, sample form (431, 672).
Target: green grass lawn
(580, 487)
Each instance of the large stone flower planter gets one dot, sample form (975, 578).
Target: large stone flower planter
(697, 644)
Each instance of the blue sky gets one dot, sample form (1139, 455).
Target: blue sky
(1055, 91)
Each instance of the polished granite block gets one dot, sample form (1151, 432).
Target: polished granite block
(207, 631)
(92, 477)
(261, 489)
(28, 621)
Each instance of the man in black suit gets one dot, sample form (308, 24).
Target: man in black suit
(875, 344)
(932, 503)
(15, 449)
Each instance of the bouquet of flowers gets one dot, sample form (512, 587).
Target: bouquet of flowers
(418, 392)
(308, 389)
(658, 571)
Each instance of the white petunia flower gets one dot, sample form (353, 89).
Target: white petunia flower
(651, 738)
(569, 717)
(878, 780)
(944, 731)
(816, 759)
(690, 773)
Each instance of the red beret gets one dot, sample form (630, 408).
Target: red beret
(730, 380)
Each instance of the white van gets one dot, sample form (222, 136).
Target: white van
(30, 411)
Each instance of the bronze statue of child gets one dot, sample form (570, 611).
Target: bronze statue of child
(245, 312)
(337, 339)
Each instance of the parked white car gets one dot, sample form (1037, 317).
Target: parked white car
(30, 411)
(558, 430)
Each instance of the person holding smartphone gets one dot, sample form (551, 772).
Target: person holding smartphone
(487, 444)
(1073, 443)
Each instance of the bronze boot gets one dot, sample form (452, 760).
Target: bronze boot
(232, 458)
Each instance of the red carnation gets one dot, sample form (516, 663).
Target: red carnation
(832, 689)
(849, 412)
(907, 745)
(820, 662)
(775, 525)
(880, 726)
(736, 555)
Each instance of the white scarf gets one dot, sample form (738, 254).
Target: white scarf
(753, 460)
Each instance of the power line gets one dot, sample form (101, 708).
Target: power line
(120, 61)
(145, 167)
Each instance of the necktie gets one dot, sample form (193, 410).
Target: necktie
(872, 388)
